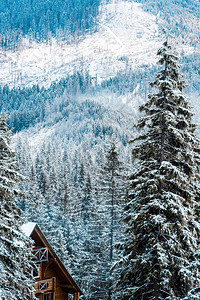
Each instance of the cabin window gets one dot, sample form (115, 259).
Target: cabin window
(48, 296)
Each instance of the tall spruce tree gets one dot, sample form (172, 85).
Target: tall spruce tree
(112, 195)
(158, 251)
(16, 281)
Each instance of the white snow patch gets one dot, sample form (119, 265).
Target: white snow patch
(28, 228)
(126, 34)
(35, 137)
(18, 243)
(39, 136)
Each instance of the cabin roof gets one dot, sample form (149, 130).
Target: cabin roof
(28, 228)
(33, 231)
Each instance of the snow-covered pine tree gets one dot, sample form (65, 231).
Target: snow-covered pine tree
(161, 232)
(86, 241)
(112, 194)
(16, 281)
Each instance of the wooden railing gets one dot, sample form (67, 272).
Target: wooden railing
(44, 286)
(40, 255)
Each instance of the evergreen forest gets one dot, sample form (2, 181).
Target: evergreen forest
(107, 167)
(41, 20)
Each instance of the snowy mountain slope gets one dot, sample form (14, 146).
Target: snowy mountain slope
(86, 124)
(181, 18)
(127, 37)
(126, 34)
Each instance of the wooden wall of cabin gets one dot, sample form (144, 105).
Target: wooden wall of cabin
(47, 271)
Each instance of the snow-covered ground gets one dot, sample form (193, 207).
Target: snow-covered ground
(125, 34)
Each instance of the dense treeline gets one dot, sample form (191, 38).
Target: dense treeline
(71, 182)
(32, 105)
(70, 172)
(43, 19)
(29, 106)
(69, 196)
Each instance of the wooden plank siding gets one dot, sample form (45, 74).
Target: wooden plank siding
(60, 289)
(76, 296)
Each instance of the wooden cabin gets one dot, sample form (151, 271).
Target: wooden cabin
(52, 281)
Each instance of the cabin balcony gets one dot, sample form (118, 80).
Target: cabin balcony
(40, 255)
(44, 285)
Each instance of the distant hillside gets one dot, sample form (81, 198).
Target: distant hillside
(180, 17)
(126, 36)
(41, 20)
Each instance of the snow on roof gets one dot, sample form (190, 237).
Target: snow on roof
(28, 228)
